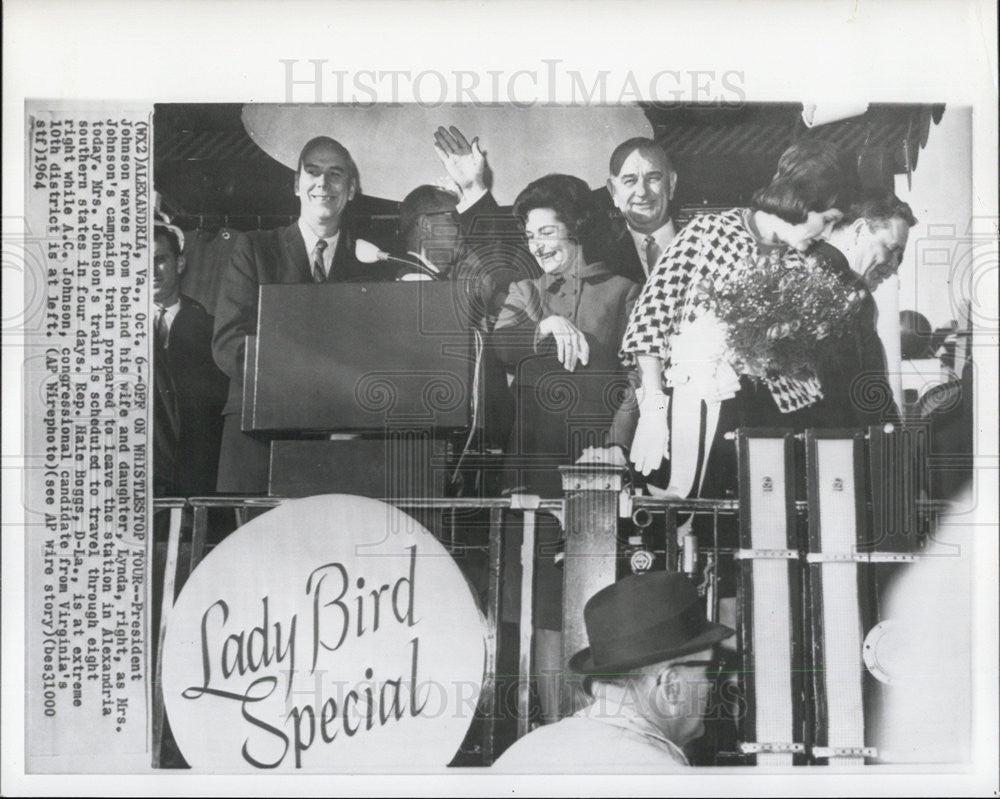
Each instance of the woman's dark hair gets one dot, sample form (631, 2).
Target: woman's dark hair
(569, 197)
(812, 175)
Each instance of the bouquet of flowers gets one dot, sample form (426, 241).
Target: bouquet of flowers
(783, 315)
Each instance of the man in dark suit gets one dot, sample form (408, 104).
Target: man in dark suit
(641, 183)
(872, 235)
(467, 244)
(865, 247)
(478, 248)
(430, 235)
(189, 388)
(316, 248)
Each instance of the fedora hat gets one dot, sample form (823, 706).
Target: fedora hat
(644, 619)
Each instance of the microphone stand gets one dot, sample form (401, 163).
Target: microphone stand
(368, 253)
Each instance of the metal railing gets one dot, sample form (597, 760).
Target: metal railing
(682, 554)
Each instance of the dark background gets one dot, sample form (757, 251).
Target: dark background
(209, 171)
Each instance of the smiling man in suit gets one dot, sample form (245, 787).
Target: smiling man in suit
(641, 183)
(317, 248)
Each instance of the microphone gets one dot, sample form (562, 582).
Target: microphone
(368, 253)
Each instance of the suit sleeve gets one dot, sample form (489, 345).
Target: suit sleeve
(207, 385)
(236, 310)
(482, 217)
(874, 380)
(514, 336)
(497, 240)
(631, 298)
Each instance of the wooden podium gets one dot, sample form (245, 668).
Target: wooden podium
(396, 364)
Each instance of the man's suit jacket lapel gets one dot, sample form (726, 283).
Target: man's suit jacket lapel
(295, 259)
(179, 334)
(344, 266)
(297, 268)
(166, 414)
(625, 260)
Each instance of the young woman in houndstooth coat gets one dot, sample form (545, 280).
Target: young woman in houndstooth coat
(675, 342)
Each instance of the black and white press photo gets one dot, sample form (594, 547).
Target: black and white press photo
(483, 421)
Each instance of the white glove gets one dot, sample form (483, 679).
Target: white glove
(651, 442)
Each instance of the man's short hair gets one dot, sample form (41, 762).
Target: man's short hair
(166, 234)
(626, 148)
(878, 207)
(352, 167)
(416, 204)
(570, 198)
(812, 175)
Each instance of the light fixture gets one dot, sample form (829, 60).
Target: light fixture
(816, 114)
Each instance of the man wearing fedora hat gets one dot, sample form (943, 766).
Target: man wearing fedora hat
(650, 668)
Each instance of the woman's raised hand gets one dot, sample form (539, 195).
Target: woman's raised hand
(571, 344)
(465, 162)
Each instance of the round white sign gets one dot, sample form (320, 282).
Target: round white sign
(332, 633)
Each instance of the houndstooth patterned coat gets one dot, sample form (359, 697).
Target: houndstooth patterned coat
(713, 247)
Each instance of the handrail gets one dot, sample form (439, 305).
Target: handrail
(426, 503)
(693, 505)
(684, 505)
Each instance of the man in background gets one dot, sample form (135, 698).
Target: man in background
(429, 231)
(641, 183)
(872, 235)
(190, 390)
(865, 247)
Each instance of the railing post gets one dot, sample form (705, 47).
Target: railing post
(493, 594)
(529, 504)
(199, 535)
(158, 715)
(590, 563)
